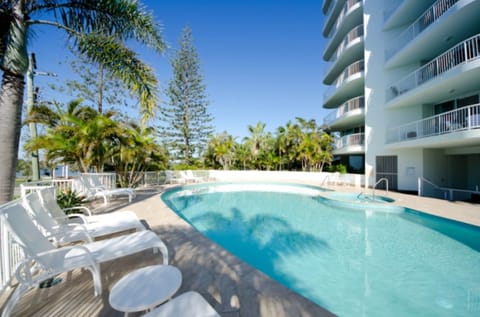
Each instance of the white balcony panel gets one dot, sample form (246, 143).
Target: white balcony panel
(349, 88)
(350, 119)
(332, 16)
(349, 51)
(350, 144)
(463, 78)
(456, 24)
(456, 128)
(345, 22)
(326, 6)
(350, 114)
(402, 12)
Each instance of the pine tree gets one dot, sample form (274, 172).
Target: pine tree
(187, 123)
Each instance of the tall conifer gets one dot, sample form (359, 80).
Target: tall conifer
(187, 123)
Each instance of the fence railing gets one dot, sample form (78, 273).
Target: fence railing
(352, 69)
(350, 105)
(349, 140)
(59, 184)
(430, 15)
(11, 256)
(427, 188)
(464, 118)
(461, 53)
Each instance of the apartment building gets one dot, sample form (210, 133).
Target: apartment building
(404, 83)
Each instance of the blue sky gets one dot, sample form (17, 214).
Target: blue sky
(261, 60)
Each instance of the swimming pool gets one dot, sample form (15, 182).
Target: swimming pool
(354, 260)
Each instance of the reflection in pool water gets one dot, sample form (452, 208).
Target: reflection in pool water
(364, 259)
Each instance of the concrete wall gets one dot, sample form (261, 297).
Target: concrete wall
(314, 178)
(375, 123)
(410, 168)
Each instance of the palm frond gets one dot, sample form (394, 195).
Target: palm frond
(124, 65)
(123, 19)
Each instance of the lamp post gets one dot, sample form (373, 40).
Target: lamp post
(32, 65)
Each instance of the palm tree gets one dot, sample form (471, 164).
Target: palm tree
(136, 153)
(80, 134)
(255, 141)
(97, 29)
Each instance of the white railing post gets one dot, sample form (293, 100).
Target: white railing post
(419, 182)
(5, 260)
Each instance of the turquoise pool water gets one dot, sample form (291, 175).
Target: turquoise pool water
(357, 260)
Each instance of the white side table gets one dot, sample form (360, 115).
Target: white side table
(145, 288)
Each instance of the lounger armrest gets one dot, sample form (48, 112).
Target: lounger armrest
(82, 217)
(87, 210)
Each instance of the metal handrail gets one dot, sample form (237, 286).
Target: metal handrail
(448, 191)
(378, 182)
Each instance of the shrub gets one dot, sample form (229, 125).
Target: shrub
(68, 199)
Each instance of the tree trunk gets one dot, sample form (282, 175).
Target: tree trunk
(11, 99)
(100, 89)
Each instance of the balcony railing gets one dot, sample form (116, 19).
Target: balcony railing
(352, 69)
(462, 119)
(350, 105)
(459, 54)
(341, 16)
(427, 18)
(349, 140)
(355, 33)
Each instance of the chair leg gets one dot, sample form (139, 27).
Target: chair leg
(21, 288)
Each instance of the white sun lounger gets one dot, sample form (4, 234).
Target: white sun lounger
(62, 232)
(87, 189)
(117, 219)
(44, 261)
(189, 304)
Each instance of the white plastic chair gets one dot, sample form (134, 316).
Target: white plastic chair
(44, 261)
(86, 188)
(189, 177)
(62, 232)
(116, 219)
(189, 304)
(174, 178)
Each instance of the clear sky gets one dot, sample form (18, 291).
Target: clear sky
(261, 59)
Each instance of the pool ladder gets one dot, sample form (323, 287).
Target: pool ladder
(383, 179)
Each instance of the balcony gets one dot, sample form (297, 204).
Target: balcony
(351, 113)
(428, 17)
(327, 5)
(455, 128)
(349, 50)
(348, 84)
(350, 16)
(444, 23)
(350, 144)
(440, 75)
(403, 12)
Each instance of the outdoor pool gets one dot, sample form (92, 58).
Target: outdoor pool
(354, 260)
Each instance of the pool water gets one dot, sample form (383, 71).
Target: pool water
(352, 261)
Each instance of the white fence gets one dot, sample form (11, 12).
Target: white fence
(11, 256)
